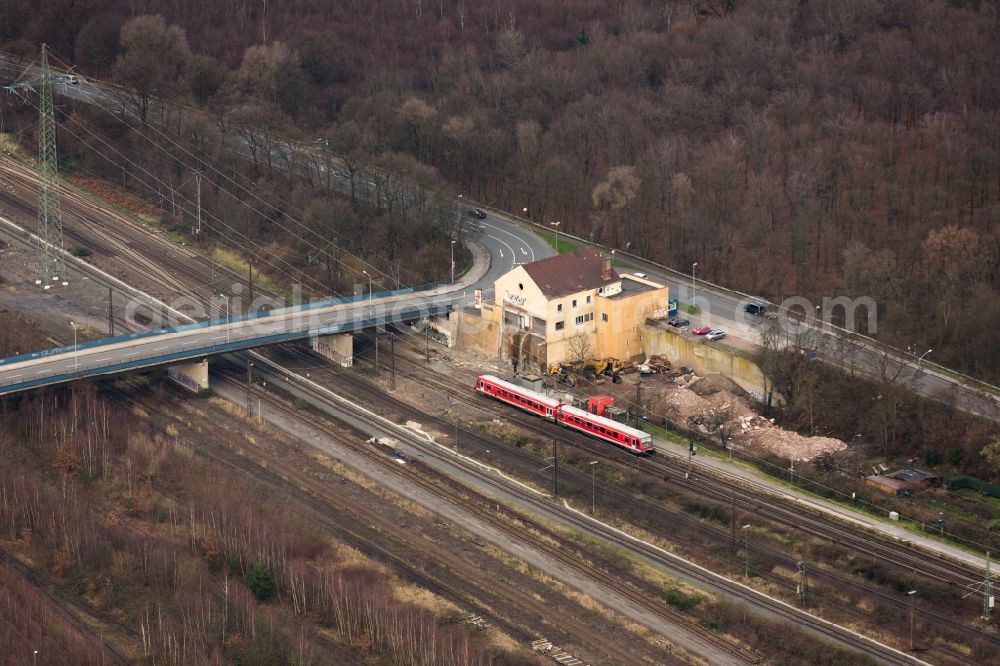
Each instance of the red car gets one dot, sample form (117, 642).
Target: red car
(701, 330)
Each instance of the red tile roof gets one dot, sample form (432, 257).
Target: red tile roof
(570, 273)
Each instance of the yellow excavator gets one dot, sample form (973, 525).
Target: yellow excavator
(594, 366)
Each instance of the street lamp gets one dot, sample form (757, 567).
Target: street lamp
(556, 225)
(453, 262)
(593, 487)
(370, 305)
(746, 551)
(76, 350)
(693, 266)
(912, 594)
(922, 357)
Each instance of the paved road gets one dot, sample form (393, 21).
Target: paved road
(509, 245)
(146, 350)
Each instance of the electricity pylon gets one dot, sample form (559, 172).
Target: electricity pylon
(50, 234)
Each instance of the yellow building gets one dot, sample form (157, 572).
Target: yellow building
(573, 307)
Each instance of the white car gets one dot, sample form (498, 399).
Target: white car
(715, 334)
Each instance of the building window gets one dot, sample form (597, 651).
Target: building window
(604, 316)
(574, 302)
(560, 325)
(558, 307)
(588, 298)
(584, 318)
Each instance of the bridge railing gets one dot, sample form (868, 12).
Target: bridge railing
(196, 349)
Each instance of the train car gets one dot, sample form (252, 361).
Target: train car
(600, 427)
(518, 396)
(606, 429)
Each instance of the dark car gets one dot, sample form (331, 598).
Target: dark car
(478, 214)
(756, 309)
(678, 322)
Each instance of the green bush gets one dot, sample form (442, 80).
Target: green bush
(261, 581)
(80, 252)
(679, 600)
(300, 403)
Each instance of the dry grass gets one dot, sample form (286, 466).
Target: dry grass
(425, 599)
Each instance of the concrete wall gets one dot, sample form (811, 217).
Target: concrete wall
(192, 376)
(620, 323)
(338, 347)
(705, 359)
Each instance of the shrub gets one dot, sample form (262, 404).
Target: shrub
(261, 581)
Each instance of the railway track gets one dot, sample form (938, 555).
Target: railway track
(540, 537)
(315, 497)
(723, 489)
(771, 606)
(70, 608)
(175, 261)
(360, 388)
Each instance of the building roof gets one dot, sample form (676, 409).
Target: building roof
(570, 273)
(632, 287)
(886, 481)
(913, 475)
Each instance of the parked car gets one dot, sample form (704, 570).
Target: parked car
(715, 334)
(755, 308)
(640, 275)
(701, 330)
(478, 214)
(678, 322)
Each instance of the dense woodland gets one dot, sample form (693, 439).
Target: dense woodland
(813, 147)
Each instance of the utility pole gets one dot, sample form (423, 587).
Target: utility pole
(802, 570)
(987, 591)
(197, 229)
(593, 489)
(555, 467)
(249, 384)
(250, 283)
(111, 313)
(392, 362)
(638, 386)
(746, 551)
(734, 521)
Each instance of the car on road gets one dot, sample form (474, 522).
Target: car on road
(641, 276)
(478, 214)
(701, 330)
(715, 334)
(755, 308)
(678, 322)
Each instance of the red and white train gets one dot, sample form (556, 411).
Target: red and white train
(600, 427)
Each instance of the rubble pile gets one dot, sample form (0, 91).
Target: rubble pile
(710, 406)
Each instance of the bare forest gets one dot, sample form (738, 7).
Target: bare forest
(790, 147)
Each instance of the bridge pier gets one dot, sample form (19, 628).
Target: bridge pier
(338, 347)
(192, 376)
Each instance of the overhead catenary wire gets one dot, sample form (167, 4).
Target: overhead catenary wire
(261, 251)
(250, 193)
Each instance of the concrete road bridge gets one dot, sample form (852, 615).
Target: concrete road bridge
(328, 324)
